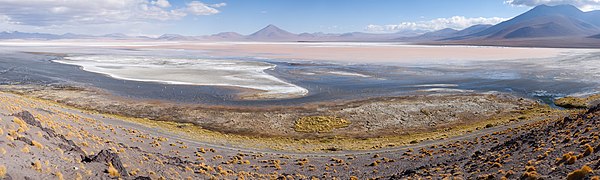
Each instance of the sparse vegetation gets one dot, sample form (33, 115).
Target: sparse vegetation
(321, 124)
(576, 102)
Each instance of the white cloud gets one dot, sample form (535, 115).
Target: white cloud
(40, 13)
(586, 5)
(162, 3)
(219, 5)
(455, 22)
(4, 19)
(199, 8)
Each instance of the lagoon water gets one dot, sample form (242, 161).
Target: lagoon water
(194, 77)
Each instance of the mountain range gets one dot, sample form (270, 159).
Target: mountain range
(548, 26)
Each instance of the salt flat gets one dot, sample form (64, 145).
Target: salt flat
(388, 53)
(245, 74)
(354, 52)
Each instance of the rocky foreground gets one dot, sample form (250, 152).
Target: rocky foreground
(43, 140)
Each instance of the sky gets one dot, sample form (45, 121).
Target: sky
(203, 17)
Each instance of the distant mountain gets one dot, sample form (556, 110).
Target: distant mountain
(543, 21)
(115, 35)
(175, 37)
(472, 30)
(597, 36)
(445, 33)
(410, 33)
(226, 36)
(76, 36)
(439, 34)
(23, 35)
(272, 33)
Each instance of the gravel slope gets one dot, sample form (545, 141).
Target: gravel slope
(43, 140)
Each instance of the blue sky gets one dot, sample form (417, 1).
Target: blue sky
(200, 17)
(341, 15)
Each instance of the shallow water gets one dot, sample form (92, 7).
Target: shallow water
(544, 78)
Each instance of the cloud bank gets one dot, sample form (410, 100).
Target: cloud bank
(585, 5)
(455, 22)
(78, 12)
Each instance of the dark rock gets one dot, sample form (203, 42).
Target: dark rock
(142, 178)
(24, 139)
(28, 118)
(105, 156)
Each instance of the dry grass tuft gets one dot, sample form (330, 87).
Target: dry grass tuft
(59, 175)
(569, 158)
(21, 123)
(25, 149)
(312, 124)
(112, 171)
(37, 144)
(2, 171)
(37, 165)
(530, 175)
(580, 173)
(588, 150)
